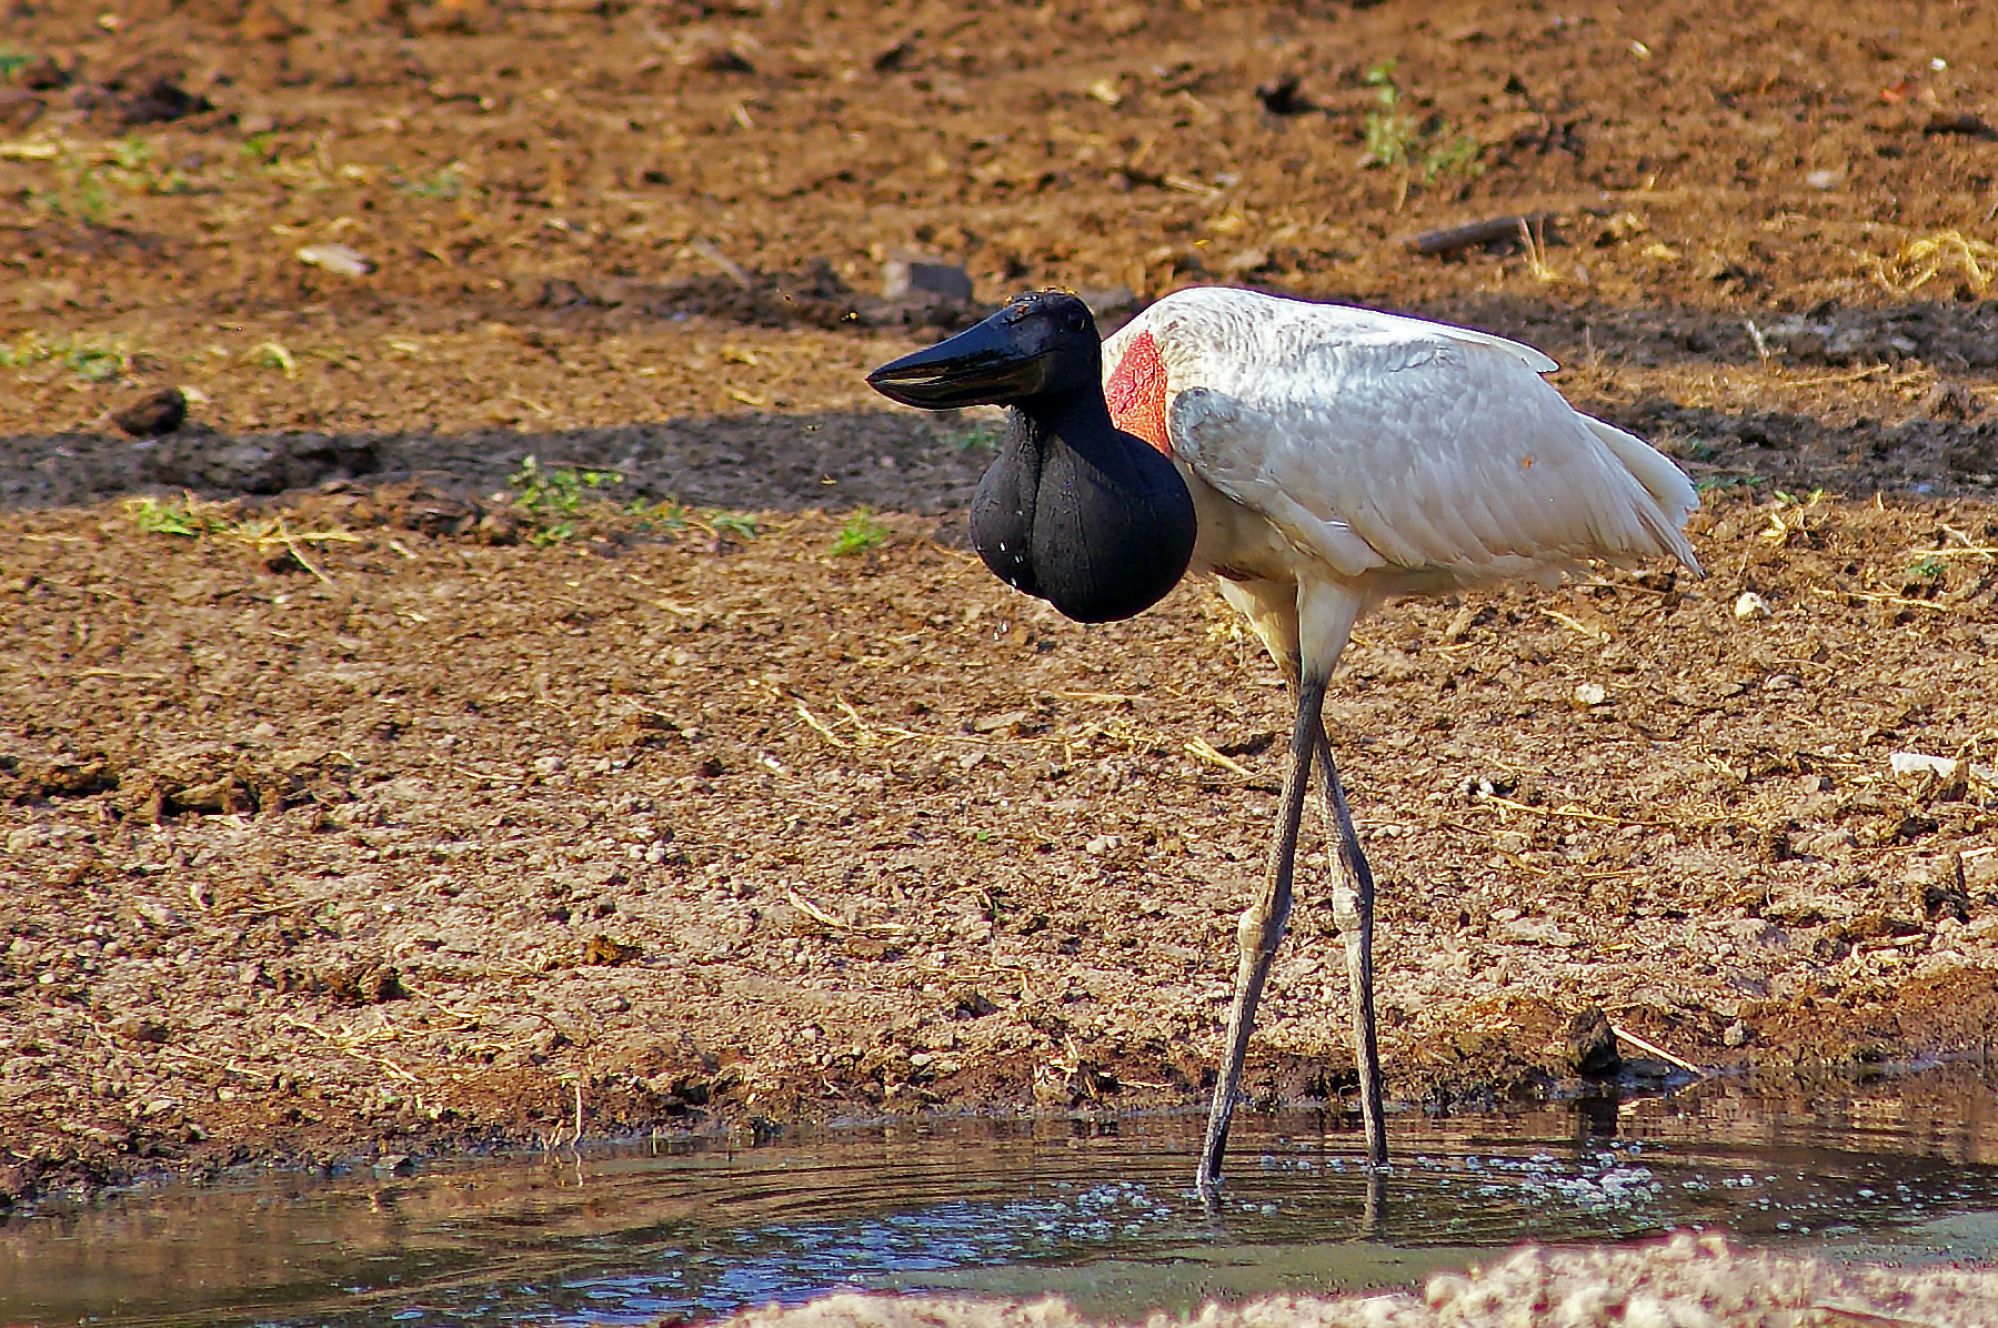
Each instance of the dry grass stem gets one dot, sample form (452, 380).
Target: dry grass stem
(1570, 811)
(299, 553)
(819, 726)
(1594, 633)
(1926, 257)
(1651, 1048)
(1884, 597)
(1211, 754)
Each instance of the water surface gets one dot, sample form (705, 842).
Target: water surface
(1099, 1210)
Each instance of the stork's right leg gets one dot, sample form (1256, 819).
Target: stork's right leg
(1353, 909)
(1261, 929)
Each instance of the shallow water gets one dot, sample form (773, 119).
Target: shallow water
(1100, 1211)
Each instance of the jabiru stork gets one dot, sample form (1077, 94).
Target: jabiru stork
(1319, 460)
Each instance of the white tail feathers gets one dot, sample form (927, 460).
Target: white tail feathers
(1673, 497)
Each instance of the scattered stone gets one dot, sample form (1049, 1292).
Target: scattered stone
(894, 57)
(1112, 307)
(1592, 1048)
(1750, 605)
(163, 101)
(1968, 124)
(140, 1028)
(1950, 401)
(154, 414)
(1283, 98)
(1938, 890)
(19, 108)
(265, 22)
(362, 983)
(340, 258)
(601, 949)
(906, 277)
(971, 1003)
(1738, 1034)
(1921, 763)
(561, 293)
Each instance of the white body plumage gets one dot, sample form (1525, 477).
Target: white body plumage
(1364, 455)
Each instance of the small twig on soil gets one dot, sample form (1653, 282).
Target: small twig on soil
(1451, 239)
(1850, 1318)
(299, 553)
(1209, 753)
(836, 924)
(1650, 1048)
(819, 726)
(1988, 552)
(1882, 597)
(721, 262)
(1572, 811)
(867, 734)
(1761, 343)
(1870, 371)
(815, 913)
(1596, 634)
(310, 901)
(346, 1047)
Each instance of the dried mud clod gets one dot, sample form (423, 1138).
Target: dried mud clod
(156, 413)
(1592, 1050)
(354, 984)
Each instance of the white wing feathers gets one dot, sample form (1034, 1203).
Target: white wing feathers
(1374, 441)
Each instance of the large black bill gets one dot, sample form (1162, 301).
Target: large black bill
(980, 365)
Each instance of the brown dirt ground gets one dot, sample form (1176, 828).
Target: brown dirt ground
(376, 814)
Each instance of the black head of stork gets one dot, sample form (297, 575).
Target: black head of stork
(1074, 510)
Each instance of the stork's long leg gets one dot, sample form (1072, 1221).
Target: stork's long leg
(1262, 926)
(1353, 909)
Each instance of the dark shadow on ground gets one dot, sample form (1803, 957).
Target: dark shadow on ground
(900, 461)
(1920, 458)
(894, 461)
(1950, 336)
(907, 461)
(1953, 336)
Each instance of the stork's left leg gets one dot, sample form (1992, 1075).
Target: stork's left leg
(1353, 910)
(1261, 931)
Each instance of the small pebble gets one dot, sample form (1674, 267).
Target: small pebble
(338, 258)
